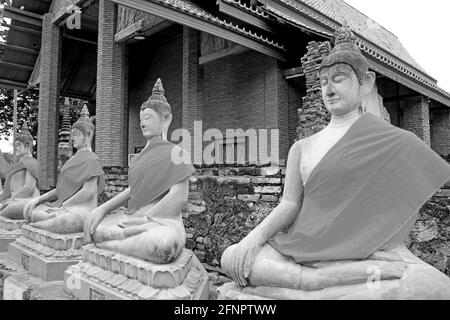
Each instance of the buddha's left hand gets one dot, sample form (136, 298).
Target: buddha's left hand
(244, 255)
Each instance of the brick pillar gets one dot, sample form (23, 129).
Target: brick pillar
(276, 104)
(416, 117)
(192, 92)
(48, 102)
(112, 91)
(313, 115)
(440, 128)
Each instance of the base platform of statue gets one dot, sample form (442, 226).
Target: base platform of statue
(10, 230)
(106, 275)
(420, 282)
(46, 254)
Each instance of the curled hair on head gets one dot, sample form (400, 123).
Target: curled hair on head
(158, 101)
(347, 52)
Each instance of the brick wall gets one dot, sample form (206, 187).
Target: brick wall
(416, 117)
(149, 60)
(112, 86)
(247, 91)
(48, 102)
(440, 131)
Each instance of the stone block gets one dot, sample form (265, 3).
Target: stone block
(129, 278)
(249, 197)
(267, 190)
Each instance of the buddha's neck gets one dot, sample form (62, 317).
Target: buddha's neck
(345, 120)
(152, 139)
(85, 148)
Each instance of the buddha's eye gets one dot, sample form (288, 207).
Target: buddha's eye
(339, 78)
(323, 82)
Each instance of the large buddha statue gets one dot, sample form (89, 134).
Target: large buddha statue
(152, 228)
(64, 209)
(351, 197)
(21, 179)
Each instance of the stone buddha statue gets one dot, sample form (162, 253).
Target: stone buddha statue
(21, 179)
(64, 209)
(351, 197)
(138, 252)
(151, 229)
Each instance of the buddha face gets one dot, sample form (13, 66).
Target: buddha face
(79, 140)
(341, 90)
(151, 123)
(21, 149)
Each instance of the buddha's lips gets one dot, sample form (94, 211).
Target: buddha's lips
(333, 101)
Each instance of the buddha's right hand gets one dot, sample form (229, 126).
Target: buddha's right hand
(29, 207)
(92, 222)
(241, 260)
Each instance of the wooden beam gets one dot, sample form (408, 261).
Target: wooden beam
(405, 81)
(18, 48)
(294, 73)
(301, 18)
(236, 49)
(16, 66)
(129, 31)
(202, 25)
(9, 84)
(400, 97)
(67, 36)
(22, 29)
(23, 16)
(244, 16)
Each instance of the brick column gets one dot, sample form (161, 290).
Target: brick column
(440, 137)
(48, 102)
(276, 105)
(192, 96)
(416, 117)
(313, 115)
(112, 91)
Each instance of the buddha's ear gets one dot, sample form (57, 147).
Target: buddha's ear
(369, 82)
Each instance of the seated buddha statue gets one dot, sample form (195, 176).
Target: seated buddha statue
(151, 229)
(64, 209)
(21, 179)
(351, 197)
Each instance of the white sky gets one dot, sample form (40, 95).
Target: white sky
(421, 26)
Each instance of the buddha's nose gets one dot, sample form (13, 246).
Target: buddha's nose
(330, 90)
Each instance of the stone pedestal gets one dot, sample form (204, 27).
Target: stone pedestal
(46, 254)
(420, 282)
(10, 230)
(106, 275)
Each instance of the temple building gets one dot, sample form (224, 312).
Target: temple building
(232, 64)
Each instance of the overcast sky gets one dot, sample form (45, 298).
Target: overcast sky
(421, 26)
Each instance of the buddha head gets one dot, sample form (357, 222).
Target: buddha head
(156, 114)
(83, 131)
(24, 142)
(344, 74)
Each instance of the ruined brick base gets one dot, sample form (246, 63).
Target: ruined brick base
(106, 275)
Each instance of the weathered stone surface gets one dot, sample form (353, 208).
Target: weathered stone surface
(266, 180)
(115, 276)
(267, 189)
(249, 197)
(269, 198)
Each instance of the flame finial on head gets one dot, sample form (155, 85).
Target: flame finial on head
(158, 92)
(25, 135)
(84, 122)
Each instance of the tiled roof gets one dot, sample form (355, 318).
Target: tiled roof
(191, 8)
(373, 39)
(342, 12)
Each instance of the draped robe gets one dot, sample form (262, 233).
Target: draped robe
(364, 194)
